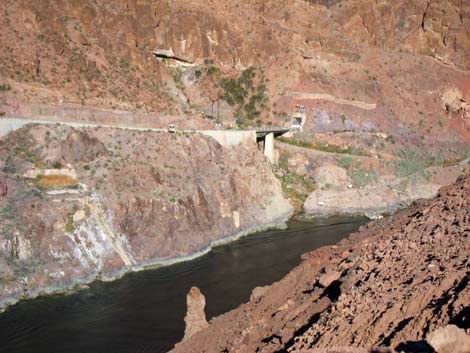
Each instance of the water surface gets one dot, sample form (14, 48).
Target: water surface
(143, 312)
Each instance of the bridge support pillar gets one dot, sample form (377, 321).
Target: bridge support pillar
(269, 147)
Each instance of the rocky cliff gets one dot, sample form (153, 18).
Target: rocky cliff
(394, 66)
(387, 286)
(84, 204)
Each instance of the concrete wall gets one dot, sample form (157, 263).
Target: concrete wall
(269, 147)
(7, 125)
(226, 138)
(231, 138)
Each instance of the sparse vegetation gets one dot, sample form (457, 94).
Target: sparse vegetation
(361, 178)
(325, 147)
(283, 161)
(177, 75)
(410, 163)
(242, 93)
(345, 162)
(297, 187)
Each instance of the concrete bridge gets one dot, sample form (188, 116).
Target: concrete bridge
(263, 137)
(266, 137)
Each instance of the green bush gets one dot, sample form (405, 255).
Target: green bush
(345, 162)
(212, 70)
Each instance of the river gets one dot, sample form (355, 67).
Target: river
(143, 312)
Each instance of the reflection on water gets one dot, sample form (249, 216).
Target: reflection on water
(143, 312)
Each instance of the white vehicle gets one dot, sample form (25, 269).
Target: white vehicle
(171, 128)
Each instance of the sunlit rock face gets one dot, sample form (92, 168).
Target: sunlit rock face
(195, 318)
(362, 65)
(399, 284)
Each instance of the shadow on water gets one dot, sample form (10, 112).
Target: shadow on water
(143, 312)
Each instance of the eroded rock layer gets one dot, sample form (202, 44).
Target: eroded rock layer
(388, 285)
(80, 204)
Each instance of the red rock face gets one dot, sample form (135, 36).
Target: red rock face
(435, 28)
(389, 285)
(401, 57)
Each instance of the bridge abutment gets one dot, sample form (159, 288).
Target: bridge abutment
(269, 147)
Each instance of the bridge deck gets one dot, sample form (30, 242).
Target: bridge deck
(272, 130)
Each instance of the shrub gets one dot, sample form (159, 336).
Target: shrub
(123, 64)
(5, 87)
(345, 162)
(69, 226)
(211, 70)
(57, 165)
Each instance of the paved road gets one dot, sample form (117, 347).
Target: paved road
(9, 124)
(224, 137)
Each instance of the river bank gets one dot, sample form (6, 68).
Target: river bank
(323, 184)
(369, 290)
(143, 311)
(95, 203)
(149, 265)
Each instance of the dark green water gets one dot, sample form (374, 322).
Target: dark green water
(143, 312)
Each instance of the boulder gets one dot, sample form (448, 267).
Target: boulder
(449, 339)
(257, 293)
(329, 278)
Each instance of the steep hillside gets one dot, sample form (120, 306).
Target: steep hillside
(398, 67)
(387, 286)
(81, 204)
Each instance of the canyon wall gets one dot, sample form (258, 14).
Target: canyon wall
(400, 67)
(92, 203)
